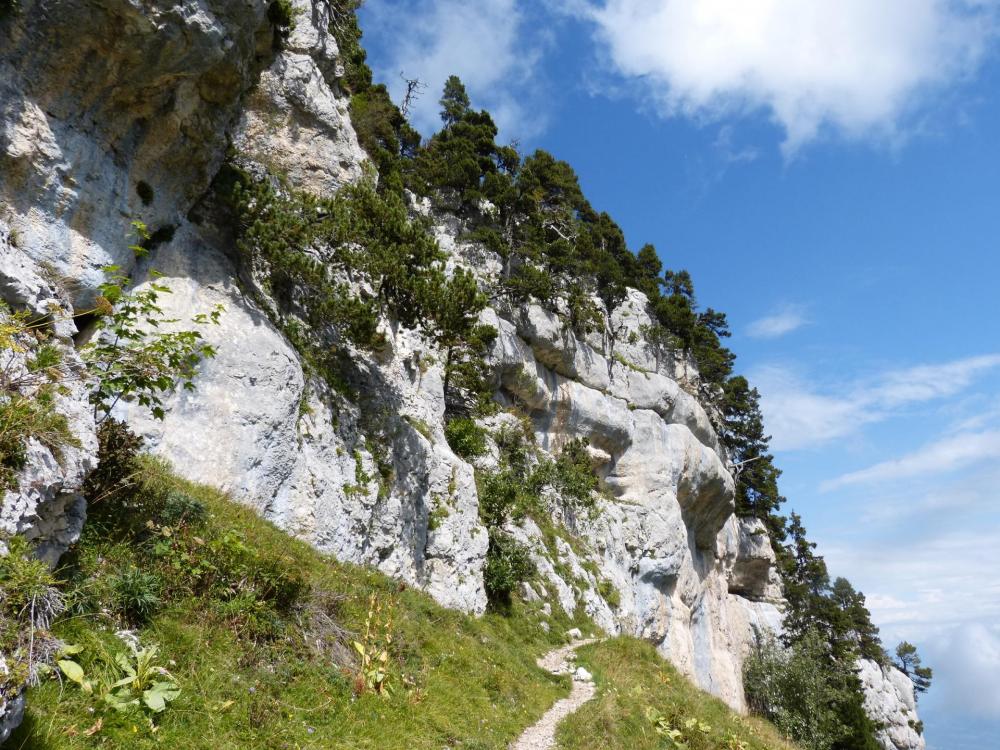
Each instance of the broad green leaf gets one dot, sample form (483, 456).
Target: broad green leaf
(157, 697)
(72, 670)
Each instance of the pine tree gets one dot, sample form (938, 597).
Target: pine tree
(857, 626)
(909, 663)
(742, 432)
(455, 103)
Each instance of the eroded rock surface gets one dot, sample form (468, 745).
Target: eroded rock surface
(890, 702)
(131, 120)
(43, 502)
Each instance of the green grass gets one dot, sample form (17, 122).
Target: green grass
(457, 681)
(635, 683)
(233, 606)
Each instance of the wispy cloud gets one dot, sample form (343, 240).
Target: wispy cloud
(800, 415)
(788, 319)
(968, 669)
(490, 44)
(728, 152)
(856, 67)
(926, 382)
(949, 454)
(954, 498)
(927, 582)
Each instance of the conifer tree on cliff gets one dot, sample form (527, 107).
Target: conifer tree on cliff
(909, 663)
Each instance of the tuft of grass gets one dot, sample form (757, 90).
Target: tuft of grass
(23, 418)
(639, 693)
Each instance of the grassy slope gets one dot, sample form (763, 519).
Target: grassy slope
(632, 679)
(459, 682)
(473, 682)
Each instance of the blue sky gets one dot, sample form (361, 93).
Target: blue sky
(830, 175)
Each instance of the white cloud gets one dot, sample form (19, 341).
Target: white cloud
(798, 415)
(949, 454)
(926, 583)
(967, 670)
(922, 503)
(727, 150)
(932, 381)
(856, 66)
(789, 319)
(488, 44)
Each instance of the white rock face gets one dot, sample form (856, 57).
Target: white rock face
(258, 427)
(293, 121)
(46, 505)
(96, 98)
(690, 576)
(152, 93)
(889, 701)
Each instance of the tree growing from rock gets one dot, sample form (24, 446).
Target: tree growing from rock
(909, 663)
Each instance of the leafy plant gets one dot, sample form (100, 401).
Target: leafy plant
(130, 358)
(373, 649)
(807, 694)
(575, 478)
(677, 733)
(508, 562)
(180, 509)
(133, 681)
(144, 681)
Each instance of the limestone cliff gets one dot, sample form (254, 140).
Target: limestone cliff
(118, 110)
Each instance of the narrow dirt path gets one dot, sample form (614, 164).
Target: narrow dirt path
(542, 736)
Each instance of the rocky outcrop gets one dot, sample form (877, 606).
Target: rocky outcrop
(357, 478)
(891, 703)
(45, 504)
(294, 122)
(11, 706)
(158, 92)
(116, 111)
(360, 475)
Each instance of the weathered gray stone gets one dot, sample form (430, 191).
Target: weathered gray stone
(294, 122)
(98, 97)
(46, 506)
(890, 702)
(154, 92)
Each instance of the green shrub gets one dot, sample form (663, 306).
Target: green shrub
(609, 592)
(575, 478)
(180, 508)
(465, 437)
(508, 563)
(110, 487)
(807, 695)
